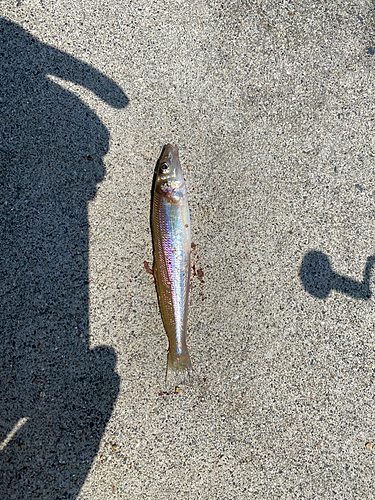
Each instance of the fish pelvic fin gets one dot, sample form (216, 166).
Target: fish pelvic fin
(179, 371)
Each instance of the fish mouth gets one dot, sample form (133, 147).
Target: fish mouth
(168, 153)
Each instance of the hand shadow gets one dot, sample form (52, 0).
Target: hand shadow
(318, 278)
(56, 394)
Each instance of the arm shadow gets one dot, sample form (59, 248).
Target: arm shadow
(318, 278)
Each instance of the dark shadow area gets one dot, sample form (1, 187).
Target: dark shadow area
(319, 279)
(51, 152)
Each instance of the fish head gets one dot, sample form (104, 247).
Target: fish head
(169, 180)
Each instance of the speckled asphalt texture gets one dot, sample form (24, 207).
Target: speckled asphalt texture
(271, 104)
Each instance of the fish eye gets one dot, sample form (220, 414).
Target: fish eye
(164, 167)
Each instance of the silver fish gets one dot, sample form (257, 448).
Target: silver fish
(170, 223)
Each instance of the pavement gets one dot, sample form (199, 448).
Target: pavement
(272, 107)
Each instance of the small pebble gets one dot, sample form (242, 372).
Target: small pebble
(368, 446)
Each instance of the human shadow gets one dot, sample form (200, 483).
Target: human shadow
(318, 278)
(56, 394)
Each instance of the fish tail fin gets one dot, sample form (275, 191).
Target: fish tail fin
(179, 370)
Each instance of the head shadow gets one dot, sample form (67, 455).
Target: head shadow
(56, 394)
(318, 278)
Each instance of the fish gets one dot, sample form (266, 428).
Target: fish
(171, 236)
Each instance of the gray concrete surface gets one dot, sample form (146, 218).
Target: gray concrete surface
(272, 106)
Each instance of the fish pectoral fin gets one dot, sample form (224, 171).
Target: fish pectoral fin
(149, 270)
